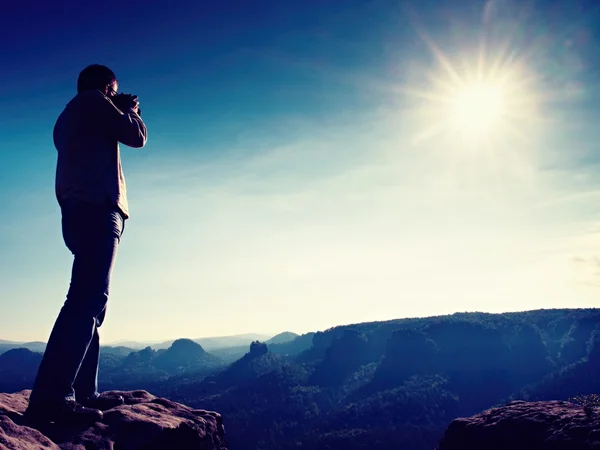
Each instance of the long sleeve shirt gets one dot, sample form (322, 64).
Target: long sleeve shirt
(87, 135)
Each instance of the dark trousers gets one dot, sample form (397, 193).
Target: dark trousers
(70, 363)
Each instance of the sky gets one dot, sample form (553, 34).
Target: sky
(313, 163)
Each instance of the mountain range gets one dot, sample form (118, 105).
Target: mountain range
(208, 343)
(211, 343)
(376, 385)
(122, 366)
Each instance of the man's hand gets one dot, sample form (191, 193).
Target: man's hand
(127, 101)
(122, 125)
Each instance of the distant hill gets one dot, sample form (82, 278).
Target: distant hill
(6, 347)
(294, 347)
(32, 346)
(118, 351)
(281, 338)
(135, 345)
(208, 343)
(41, 347)
(35, 346)
(254, 364)
(146, 367)
(18, 368)
(224, 348)
(125, 347)
(182, 354)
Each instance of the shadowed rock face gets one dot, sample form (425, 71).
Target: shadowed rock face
(553, 425)
(144, 422)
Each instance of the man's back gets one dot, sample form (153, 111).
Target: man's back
(87, 135)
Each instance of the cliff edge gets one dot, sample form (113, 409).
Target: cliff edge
(143, 422)
(519, 425)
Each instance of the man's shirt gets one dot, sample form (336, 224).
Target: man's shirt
(87, 135)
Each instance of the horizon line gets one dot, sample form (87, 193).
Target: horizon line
(162, 341)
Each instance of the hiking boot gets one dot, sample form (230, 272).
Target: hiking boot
(103, 402)
(66, 411)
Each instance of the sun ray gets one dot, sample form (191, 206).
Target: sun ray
(441, 58)
(426, 95)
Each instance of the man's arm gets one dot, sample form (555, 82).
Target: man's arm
(126, 127)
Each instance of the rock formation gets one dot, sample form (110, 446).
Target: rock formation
(519, 425)
(144, 422)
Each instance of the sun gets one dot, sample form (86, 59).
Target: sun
(477, 108)
(478, 98)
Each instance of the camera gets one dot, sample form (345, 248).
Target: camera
(125, 101)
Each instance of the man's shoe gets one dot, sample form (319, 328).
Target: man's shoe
(67, 411)
(103, 402)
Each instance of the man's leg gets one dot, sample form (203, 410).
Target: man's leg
(86, 384)
(92, 233)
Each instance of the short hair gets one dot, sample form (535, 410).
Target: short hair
(95, 76)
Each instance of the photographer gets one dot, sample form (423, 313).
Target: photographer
(91, 191)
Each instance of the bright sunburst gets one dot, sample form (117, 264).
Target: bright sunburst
(478, 98)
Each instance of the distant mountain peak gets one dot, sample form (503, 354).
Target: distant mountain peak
(186, 345)
(18, 352)
(181, 353)
(281, 338)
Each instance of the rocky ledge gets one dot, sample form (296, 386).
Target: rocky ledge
(519, 425)
(143, 422)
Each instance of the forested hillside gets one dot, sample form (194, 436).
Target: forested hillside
(398, 384)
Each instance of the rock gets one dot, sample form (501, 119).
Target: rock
(555, 425)
(143, 422)
(258, 348)
(16, 437)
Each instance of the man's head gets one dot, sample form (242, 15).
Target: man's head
(98, 77)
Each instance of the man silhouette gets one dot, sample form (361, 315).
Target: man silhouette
(91, 192)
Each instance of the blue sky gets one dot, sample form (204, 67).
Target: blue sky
(304, 169)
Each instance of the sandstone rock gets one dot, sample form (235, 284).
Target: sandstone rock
(144, 422)
(553, 425)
